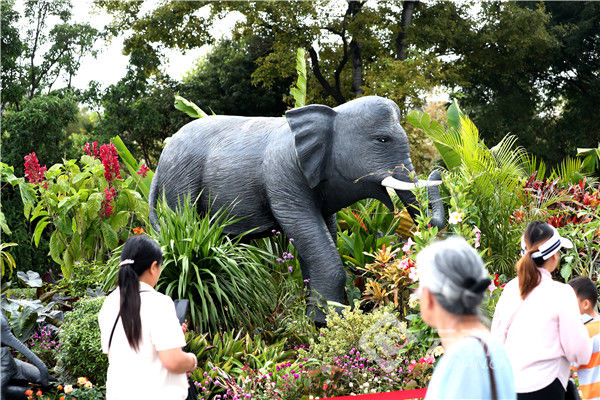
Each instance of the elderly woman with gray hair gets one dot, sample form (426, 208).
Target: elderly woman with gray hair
(452, 285)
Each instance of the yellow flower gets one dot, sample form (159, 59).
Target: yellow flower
(68, 389)
(88, 385)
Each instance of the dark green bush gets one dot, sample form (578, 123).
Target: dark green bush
(80, 353)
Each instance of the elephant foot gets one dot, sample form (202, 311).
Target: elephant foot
(15, 392)
(317, 315)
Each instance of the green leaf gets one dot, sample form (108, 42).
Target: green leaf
(78, 178)
(30, 278)
(56, 247)
(67, 264)
(565, 272)
(299, 91)
(93, 204)
(188, 107)
(4, 225)
(39, 228)
(133, 166)
(119, 220)
(110, 236)
(454, 113)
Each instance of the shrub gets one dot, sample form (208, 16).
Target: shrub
(80, 352)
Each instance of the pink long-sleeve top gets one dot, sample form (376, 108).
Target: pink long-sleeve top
(542, 334)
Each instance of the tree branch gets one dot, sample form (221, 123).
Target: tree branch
(338, 97)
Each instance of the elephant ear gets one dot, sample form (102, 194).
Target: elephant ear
(312, 127)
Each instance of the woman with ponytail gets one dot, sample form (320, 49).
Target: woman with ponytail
(452, 285)
(538, 319)
(140, 331)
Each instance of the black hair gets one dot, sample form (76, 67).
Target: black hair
(585, 289)
(529, 277)
(143, 251)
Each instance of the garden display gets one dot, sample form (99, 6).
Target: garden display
(290, 178)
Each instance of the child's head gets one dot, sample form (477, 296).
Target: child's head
(586, 292)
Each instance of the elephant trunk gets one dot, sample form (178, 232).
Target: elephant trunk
(410, 201)
(10, 340)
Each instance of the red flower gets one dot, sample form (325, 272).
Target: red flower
(33, 171)
(94, 149)
(109, 157)
(325, 386)
(143, 170)
(106, 210)
(496, 283)
(138, 231)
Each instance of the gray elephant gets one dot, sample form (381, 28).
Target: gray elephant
(293, 174)
(16, 374)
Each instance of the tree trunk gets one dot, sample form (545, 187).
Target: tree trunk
(405, 20)
(356, 56)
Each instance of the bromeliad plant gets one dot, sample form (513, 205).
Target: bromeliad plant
(89, 204)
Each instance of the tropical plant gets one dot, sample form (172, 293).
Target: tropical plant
(590, 158)
(6, 259)
(81, 331)
(224, 280)
(362, 229)
(90, 207)
(494, 177)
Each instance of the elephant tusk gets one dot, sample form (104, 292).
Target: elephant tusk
(403, 185)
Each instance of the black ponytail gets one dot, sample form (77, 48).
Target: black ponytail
(139, 252)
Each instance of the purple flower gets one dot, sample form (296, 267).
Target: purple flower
(290, 268)
(292, 240)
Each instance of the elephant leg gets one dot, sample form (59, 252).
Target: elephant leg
(331, 222)
(318, 253)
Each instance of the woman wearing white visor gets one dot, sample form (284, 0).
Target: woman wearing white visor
(538, 319)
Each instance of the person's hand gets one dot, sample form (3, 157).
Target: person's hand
(193, 356)
(184, 326)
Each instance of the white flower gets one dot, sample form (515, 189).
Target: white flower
(409, 243)
(418, 234)
(413, 275)
(438, 351)
(413, 300)
(351, 384)
(456, 217)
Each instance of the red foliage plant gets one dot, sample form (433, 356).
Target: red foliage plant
(565, 211)
(110, 160)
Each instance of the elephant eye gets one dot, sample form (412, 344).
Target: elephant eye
(383, 139)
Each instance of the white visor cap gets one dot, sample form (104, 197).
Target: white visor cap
(549, 247)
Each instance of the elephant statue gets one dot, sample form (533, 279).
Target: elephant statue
(292, 174)
(17, 374)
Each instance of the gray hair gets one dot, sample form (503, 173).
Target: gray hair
(454, 272)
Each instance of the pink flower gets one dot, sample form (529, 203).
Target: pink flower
(143, 170)
(477, 233)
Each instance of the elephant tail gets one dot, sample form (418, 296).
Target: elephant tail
(152, 198)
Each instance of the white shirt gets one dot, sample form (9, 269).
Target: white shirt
(545, 335)
(141, 375)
